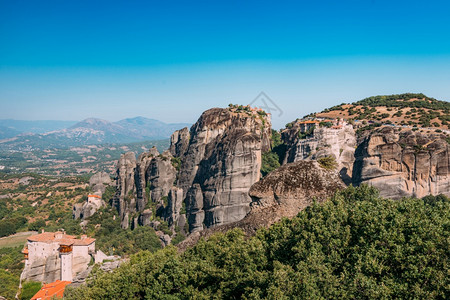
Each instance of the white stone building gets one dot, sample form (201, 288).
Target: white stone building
(51, 256)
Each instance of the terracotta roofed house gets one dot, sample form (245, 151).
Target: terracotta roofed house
(51, 291)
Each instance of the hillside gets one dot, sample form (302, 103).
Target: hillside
(416, 110)
(31, 201)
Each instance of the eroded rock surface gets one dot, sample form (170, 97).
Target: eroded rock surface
(222, 161)
(338, 141)
(403, 164)
(149, 178)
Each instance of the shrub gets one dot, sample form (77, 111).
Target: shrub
(36, 225)
(327, 162)
(269, 162)
(29, 289)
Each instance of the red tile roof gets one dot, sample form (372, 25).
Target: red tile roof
(51, 290)
(83, 242)
(65, 239)
(95, 196)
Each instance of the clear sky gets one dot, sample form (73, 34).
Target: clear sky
(171, 60)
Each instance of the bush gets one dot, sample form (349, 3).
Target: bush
(325, 124)
(269, 162)
(37, 225)
(327, 162)
(7, 228)
(29, 289)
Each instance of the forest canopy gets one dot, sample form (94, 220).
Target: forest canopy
(356, 245)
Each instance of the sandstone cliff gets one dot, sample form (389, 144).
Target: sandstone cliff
(403, 163)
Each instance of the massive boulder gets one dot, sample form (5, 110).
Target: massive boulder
(221, 162)
(402, 164)
(295, 185)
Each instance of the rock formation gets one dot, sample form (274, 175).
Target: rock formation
(282, 193)
(220, 164)
(210, 168)
(149, 178)
(337, 141)
(98, 183)
(295, 184)
(403, 164)
(179, 141)
(88, 208)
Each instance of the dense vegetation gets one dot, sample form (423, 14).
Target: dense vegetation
(10, 268)
(274, 158)
(355, 246)
(112, 239)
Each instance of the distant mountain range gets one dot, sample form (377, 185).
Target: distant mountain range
(40, 126)
(21, 135)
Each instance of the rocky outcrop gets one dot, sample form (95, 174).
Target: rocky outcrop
(221, 162)
(295, 184)
(125, 198)
(99, 181)
(161, 175)
(174, 206)
(179, 142)
(88, 208)
(402, 164)
(147, 180)
(337, 141)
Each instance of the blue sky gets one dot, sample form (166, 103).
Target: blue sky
(171, 60)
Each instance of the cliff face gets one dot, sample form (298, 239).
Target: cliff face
(403, 164)
(398, 163)
(338, 142)
(149, 178)
(221, 162)
(209, 168)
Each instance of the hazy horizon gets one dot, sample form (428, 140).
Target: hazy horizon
(171, 61)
